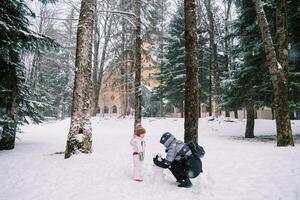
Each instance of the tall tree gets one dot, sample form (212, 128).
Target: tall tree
(214, 63)
(98, 73)
(16, 37)
(278, 68)
(80, 133)
(137, 63)
(226, 43)
(191, 105)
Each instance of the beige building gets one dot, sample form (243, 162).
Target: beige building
(115, 94)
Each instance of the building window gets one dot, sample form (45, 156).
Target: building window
(98, 110)
(114, 109)
(106, 109)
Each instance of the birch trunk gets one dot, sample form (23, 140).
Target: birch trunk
(278, 68)
(138, 63)
(191, 103)
(80, 133)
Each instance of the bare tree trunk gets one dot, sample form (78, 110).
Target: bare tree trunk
(210, 90)
(236, 114)
(124, 75)
(138, 63)
(214, 62)
(80, 133)
(99, 76)
(278, 69)
(191, 102)
(96, 39)
(249, 133)
(227, 66)
(8, 135)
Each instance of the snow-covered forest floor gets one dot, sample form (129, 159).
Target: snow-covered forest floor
(234, 168)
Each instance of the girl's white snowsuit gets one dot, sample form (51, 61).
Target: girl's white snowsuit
(138, 145)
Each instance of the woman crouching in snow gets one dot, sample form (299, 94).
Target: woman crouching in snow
(138, 144)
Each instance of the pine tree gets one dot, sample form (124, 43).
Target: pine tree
(16, 37)
(294, 54)
(248, 85)
(172, 74)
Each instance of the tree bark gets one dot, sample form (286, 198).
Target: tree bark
(236, 114)
(8, 135)
(191, 103)
(138, 63)
(80, 133)
(227, 65)
(96, 41)
(250, 121)
(213, 46)
(124, 67)
(278, 68)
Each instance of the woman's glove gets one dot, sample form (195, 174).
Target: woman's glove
(160, 162)
(141, 156)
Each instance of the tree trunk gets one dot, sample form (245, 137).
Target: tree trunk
(227, 66)
(99, 77)
(215, 67)
(250, 121)
(278, 69)
(236, 114)
(191, 102)
(138, 63)
(80, 133)
(123, 67)
(8, 135)
(96, 40)
(182, 110)
(226, 41)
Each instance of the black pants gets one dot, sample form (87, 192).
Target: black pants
(189, 168)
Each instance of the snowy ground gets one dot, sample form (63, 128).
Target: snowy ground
(234, 168)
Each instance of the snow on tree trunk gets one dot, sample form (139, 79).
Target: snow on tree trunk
(138, 63)
(191, 104)
(8, 135)
(80, 133)
(249, 133)
(277, 72)
(213, 59)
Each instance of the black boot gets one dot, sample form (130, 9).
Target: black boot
(186, 183)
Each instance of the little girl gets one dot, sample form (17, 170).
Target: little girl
(138, 144)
